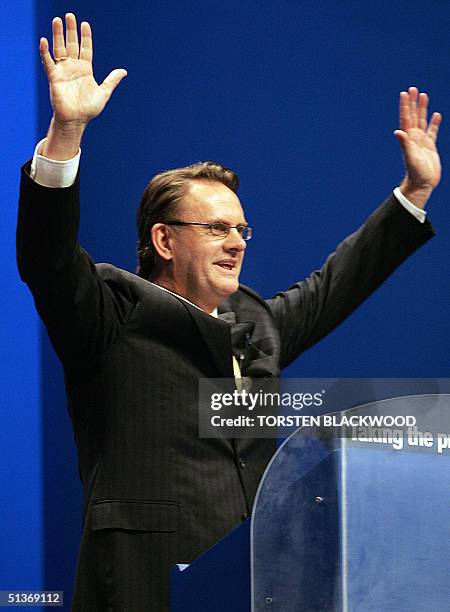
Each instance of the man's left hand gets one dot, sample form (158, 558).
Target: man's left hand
(417, 139)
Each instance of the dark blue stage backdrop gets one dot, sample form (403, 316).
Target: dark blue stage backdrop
(21, 475)
(300, 98)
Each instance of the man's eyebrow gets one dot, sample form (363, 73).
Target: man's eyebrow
(218, 220)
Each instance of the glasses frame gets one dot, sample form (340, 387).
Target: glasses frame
(242, 229)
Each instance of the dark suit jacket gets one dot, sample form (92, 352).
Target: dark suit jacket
(154, 493)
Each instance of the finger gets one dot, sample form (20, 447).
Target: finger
(59, 47)
(423, 107)
(413, 92)
(433, 128)
(112, 80)
(405, 121)
(86, 42)
(71, 36)
(402, 137)
(46, 58)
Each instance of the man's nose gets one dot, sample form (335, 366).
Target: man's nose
(234, 241)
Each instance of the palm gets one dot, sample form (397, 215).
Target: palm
(74, 93)
(422, 158)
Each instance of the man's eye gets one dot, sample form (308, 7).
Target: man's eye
(220, 228)
(241, 228)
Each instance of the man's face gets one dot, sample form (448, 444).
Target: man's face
(205, 268)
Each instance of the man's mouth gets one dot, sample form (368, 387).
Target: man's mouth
(226, 264)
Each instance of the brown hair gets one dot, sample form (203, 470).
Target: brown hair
(161, 198)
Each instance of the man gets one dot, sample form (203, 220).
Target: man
(134, 347)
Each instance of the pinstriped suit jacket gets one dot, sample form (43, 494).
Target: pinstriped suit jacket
(154, 493)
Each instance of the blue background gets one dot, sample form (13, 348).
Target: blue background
(300, 98)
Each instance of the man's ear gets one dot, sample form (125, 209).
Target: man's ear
(160, 235)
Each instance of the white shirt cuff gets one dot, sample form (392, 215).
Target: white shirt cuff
(418, 213)
(51, 172)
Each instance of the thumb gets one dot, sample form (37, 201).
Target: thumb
(112, 80)
(402, 137)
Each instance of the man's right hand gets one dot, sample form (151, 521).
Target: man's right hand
(75, 96)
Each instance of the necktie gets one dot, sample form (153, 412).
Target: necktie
(230, 318)
(237, 374)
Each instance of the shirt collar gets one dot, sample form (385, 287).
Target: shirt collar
(213, 313)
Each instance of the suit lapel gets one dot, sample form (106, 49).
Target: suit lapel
(217, 336)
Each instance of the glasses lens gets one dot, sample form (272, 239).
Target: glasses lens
(246, 232)
(223, 229)
(220, 229)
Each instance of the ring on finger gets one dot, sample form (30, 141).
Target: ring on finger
(60, 59)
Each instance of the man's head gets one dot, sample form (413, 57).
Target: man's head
(199, 262)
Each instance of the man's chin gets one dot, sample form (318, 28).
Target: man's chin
(228, 287)
(232, 286)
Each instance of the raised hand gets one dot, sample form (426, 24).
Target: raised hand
(417, 139)
(75, 96)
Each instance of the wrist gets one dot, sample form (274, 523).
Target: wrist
(63, 139)
(73, 126)
(416, 194)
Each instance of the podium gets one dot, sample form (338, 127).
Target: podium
(345, 519)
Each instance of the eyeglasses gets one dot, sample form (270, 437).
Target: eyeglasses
(219, 228)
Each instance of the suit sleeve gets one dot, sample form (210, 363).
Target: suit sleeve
(310, 309)
(83, 314)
